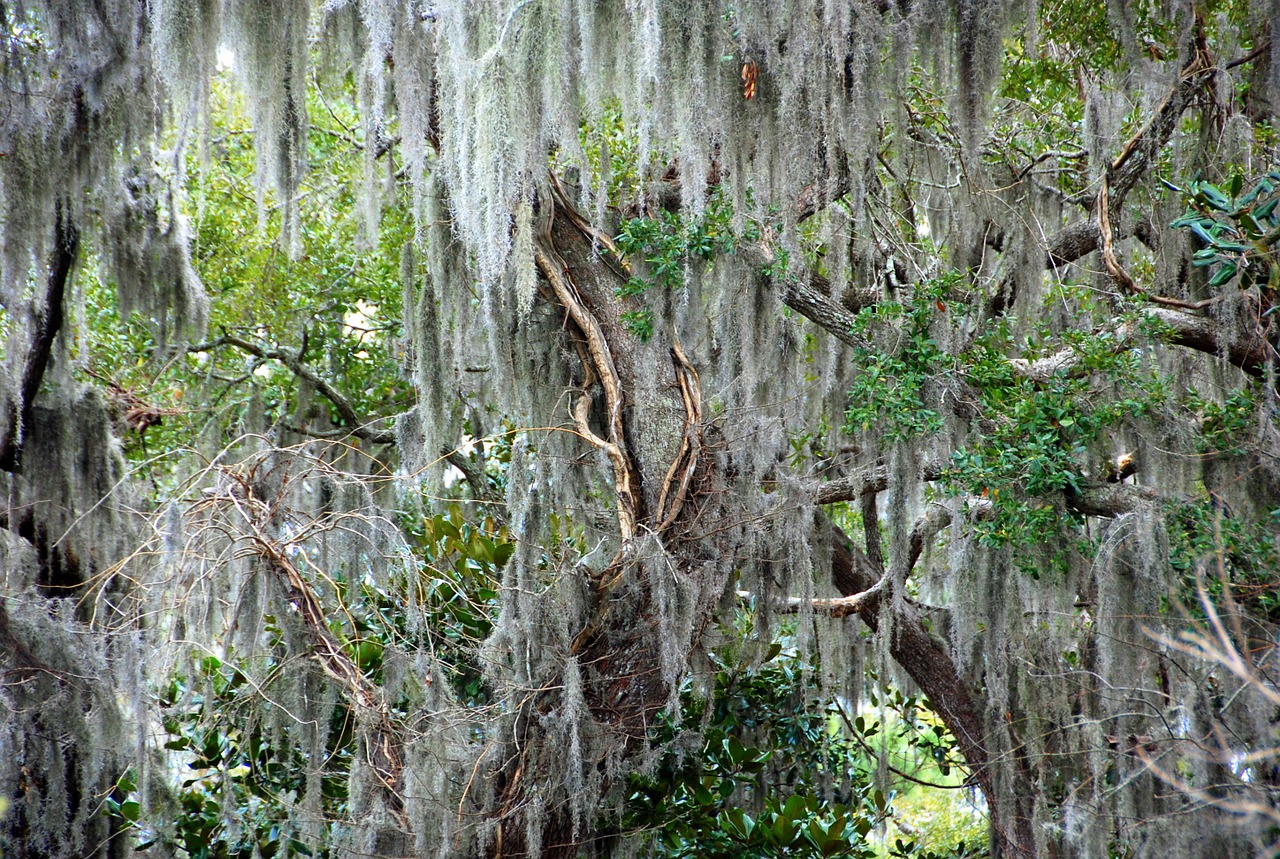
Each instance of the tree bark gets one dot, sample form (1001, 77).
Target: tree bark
(640, 404)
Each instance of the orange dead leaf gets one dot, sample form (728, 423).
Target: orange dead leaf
(750, 74)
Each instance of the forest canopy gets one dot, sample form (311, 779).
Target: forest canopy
(566, 428)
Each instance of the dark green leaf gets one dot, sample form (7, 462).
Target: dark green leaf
(1223, 274)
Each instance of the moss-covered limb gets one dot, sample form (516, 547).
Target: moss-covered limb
(1247, 350)
(930, 665)
(1250, 350)
(1108, 500)
(1129, 166)
(863, 481)
(49, 323)
(254, 520)
(820, 308)
(18, 662)
(356, 424)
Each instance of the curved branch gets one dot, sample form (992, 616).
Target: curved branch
(66, 242)
(930, 665)
(358, 426)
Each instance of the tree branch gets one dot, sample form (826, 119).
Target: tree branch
(1108, 500)
(836, 607)
(930, 665)
(1083, 237)
(356, 425)
(385, 740)
(874, 478)
(1203, 334)
(18, 420)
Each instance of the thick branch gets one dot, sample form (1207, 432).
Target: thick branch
(863, 481)
(931, 667)
(66, 241)
(1109, 500)
(925, 529)
(1185, 328)
(473, 473)
(1083, 237)
(833, 606)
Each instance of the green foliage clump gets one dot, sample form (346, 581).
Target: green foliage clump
(336, 306)
(458, 591)
(663, 246)
(772, 775)
(235, 778)
(714, 802)
(889, 390)
(1031, 438)
(1239, 229)
(1214, 548)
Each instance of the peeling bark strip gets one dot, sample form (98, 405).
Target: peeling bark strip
(683, 467)
(18, 420)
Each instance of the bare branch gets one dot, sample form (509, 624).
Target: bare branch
(832, 606)
(357, 425)
(866, 480)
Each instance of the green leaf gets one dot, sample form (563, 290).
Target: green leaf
(1263, 187)
(1223, 274)
(784, 831)
(369, 655)
(502, 553)
(795, 807)
(1201, 232)
(737, 822)
(1212, 196)
(444, 526)
(1249, 226)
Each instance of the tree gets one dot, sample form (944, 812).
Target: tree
(694, 296)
